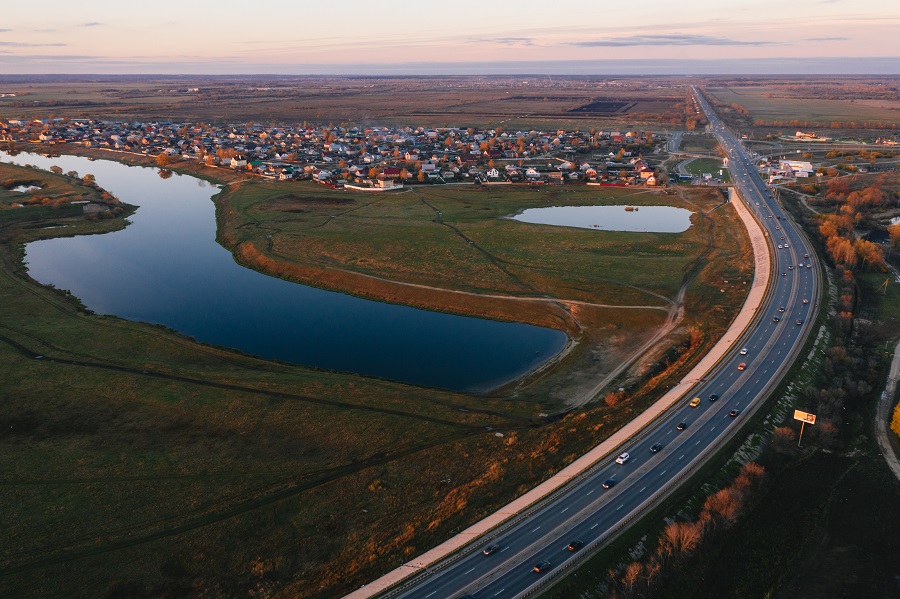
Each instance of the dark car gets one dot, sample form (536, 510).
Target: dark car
(681, 426)
(713, 397)
(609, 483)
(542, 567)
(734, 413)
(655, 447)
(491, 549)
(776, 319)
(575, 545)
(799, 321)
(781, 309)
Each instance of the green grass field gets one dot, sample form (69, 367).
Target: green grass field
(711, 166)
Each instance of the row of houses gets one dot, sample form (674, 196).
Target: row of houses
(363, 155)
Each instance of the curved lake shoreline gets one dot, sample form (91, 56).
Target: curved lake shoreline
(166, 268)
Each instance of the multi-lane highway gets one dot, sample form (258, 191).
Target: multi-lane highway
(611, 494)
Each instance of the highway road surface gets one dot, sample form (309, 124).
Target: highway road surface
(590, 513)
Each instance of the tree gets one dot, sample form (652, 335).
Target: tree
(56, 170)
(163, 159)
(164, 173)
(88, 179)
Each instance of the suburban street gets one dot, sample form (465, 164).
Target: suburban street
(586, 511)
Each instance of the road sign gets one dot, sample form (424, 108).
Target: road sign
(804, 417)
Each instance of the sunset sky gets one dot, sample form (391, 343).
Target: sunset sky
(352, 36)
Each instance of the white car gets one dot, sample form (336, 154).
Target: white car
(622, 458)
(743, 351)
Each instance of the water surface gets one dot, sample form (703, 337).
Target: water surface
(166, 268)
(645, 219)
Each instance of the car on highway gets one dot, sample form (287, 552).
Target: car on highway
(784, 274)
(655, 447)
(790, 267)
(491, 549)
(781, 309)
(695, 402)
(714, 397)
(805, 301)
(744, 351)
(609, 483)
(742, 365)
(776, 319)
(575, 545)
(806, 255)
(734, 413)
(622, 458)
(809, 266)
(681, 425)
(780, 247)
(799, 321)
(542, 567)
(786, 245)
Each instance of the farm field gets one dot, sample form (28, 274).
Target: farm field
(770, 104)
(510, 102)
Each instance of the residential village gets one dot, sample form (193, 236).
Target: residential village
(368, 158)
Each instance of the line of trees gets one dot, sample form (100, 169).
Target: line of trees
(681, 539)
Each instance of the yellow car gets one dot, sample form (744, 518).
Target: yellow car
(695, 402)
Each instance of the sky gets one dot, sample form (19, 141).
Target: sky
(476, 36)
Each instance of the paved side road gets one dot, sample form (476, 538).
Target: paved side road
(883, 418)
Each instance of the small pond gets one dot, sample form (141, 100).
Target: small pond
(644, 219)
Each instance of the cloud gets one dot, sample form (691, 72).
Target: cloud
(827, 39)
(5, 30)
(28, 45)
(505, 41)
(672, 39)
(91, 24)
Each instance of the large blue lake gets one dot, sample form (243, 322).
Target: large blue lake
(166, 268)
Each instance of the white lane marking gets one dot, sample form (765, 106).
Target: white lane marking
(498, 592)
(564, 511)
(662, 473)
(642, 490)
(504, 549)
(712, 429)
(536, 529)
(589, 492)
(698, 442)
(620, 507)
(433, 592)
(595, 526)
